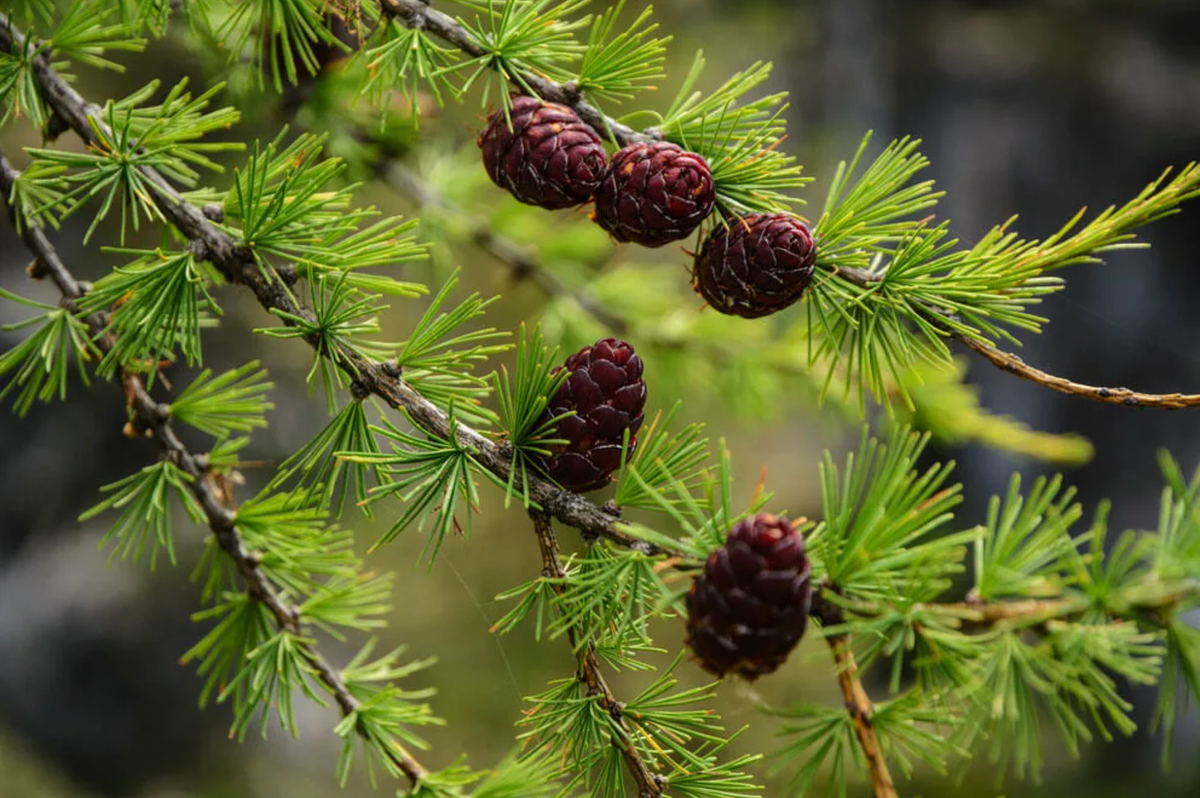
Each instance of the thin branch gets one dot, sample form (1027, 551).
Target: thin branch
(858, 703)
(418, 14)
(1006, 361)
(209, 488)
(522, 264)
(237, 263)
(650, 784)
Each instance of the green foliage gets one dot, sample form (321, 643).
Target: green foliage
(882, 532)
(35, 190)
(85, 35)
(661, 461)
(430, 476)
(1053, 626)
(41, 364)
(129, 141)
(518, 38)
(241, 625)
(284, 35)
(233, 402)
(523, 400)
(267, 678)
(295, 545)
(438, 360)
(739, 141)
(18, 84)
(705, 514)
(318, 473)
(341, 318)
(617, 67)
(144, 500)
(285, 205)
(381, 723)
(156, 306)
(916, 287)
(610, 597)
(407, 58)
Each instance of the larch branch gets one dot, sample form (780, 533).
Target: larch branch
(238, 264)
(418, 14)
(1006, 361)
(858, 703)
(650, 785)
(209, 488)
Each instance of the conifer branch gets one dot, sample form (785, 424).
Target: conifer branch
(209, 242)
(859, 705)
(211, 490)
(975, 615)
(650, 785)
(1013, 364)
(420, 15)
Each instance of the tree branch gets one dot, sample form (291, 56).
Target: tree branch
(419, 15)
(650, 784)
(1006, 361)
(209, 488)
(858, 703)
(238, 264)
(1013, 364)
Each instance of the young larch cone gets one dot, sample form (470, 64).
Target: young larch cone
(608, 395)
(654, 194)
(549, 157)
(749, 607)
(756, 266)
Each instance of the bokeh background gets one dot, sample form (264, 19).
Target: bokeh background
(1033, 107)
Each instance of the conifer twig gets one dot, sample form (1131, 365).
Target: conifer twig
(238, 265)
(975, 614)
(858, 703)
(420, 15)
(1013, 364)
(211, 490)
(650, 785)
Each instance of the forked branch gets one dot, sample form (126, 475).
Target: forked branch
(209, 488)
(238, 265)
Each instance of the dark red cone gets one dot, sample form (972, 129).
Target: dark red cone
(756, 266)
(749, 607)
(608, 395)
(654, 194)
(549, 157)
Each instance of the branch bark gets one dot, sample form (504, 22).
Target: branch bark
(420, 15)
(153, 419)
(858, 703)
(650, 784)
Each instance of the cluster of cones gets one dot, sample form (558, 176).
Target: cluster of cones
(650, 194)
(749, 607)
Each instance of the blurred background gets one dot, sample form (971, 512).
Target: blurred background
(1036, 108)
